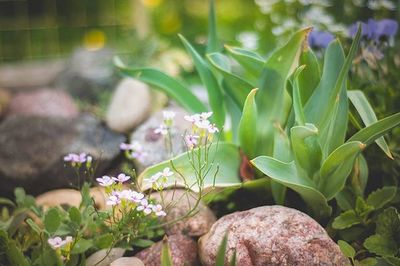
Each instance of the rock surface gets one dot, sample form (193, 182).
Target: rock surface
(180, 204)
(88, 74)
(44, 102)
(22, 76)
(115, 254)
(127, 261)
(129, 106)
(154, 144)
(32, 150)
(183, 252)
(271, 235)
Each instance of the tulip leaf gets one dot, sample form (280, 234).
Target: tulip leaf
(309, 78)
(286, 174)
(248, 125)
(166, 257)
(368, 116)
(222, 168)
(250, 61)
(215, 95)
(297, 102)
(212, 42)
(237, 88)
(165, 83)
(337, 167)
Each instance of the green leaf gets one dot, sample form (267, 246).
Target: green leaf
(220, 259)
(86, 198)
(345, 199)
(337, 167)
(347, 249)
(34, 226)
(250, 61)
(395, 261)
(248, 125)
(75, 215)
(286, 174)
(272, 103)
(309, 78)
(376, 130)
(346, 220)
(381, 197)
(306, 149)
(237, 88)
(212, 42)
(52, 220)
(359, 176)
(104, 241)
(297, 102)
(15, 255)
(388, 223)
(166, 259)
(224, 162)
(5, 201)
(362, 208)
(165, 83)
(215, 95)
(381, 245)
(81, 246)
(366, 262)
(367, 115)
(142, 243)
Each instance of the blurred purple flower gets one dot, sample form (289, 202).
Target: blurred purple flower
(320, 39)
(376, 29)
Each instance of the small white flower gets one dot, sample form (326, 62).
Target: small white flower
(157, 209)
(203, 124)
(191, 141)
(212, 129)
(105, 181)
(205, 115)
(113, 200)
(162, 129)
(121, 178)
(167, 172)
(145, 207)
(57, 242)
(168, 115)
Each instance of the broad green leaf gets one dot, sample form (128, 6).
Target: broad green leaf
(346, 220)
(337, 167)
(103, 241)
(237, 87)
(212, 42)
(81, 246)
(381, 196)
(215, 95)
(74, 215)
(374, 131)
(347, 249)
(366, 262)
(165, 83)
(309, 78)
(319, 107)
(220, 259)
(362, 208)
(381, 245)
(345, 199)
(5, 201)
(248, 125)
(306, 149)
(297, 102)
(235, 114)
(166, 259)
(52, 220)
(388, 223)
(223, 168)
(250, 61)
(271, 99)
(367, 115)
(286, 174)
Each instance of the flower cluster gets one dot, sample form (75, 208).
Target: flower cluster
(78, 159)
(106, 181)
(58, 242)
(160, 179)
(203, 129)
(134, 150)
(376, 29)
(168, 121)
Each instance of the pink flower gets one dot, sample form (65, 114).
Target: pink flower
(212, 129)
(113, 200)
(191, 141)
(121, 178)
(157, 209)
(145, 207)
(162, 129)
(75, 158)
(57, 242)
(105, 181)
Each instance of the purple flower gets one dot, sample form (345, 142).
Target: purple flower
(121, 178)
(77, 159)
(375, 29)
(365, 30)
(320, 39)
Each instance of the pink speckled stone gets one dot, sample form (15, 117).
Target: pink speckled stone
(271, 235)
(43, 103)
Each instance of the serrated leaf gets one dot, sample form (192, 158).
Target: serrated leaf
(166, 259)
(381, 245)
(362, 208)
(165, 83)
(286, 174)
(346, 220)
(337, 167)
(367, 115)
(215, 95)
(52, 220)
(248, 125)
(220, 259)
(388, 223)
(81, 246)
(381, 196)
(250, 61)
(347, 249)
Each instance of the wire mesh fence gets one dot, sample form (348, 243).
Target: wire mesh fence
(35, 29)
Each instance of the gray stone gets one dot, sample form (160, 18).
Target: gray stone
(44, 102)
(154, 144)
(129, 106)
(179, 203)
(183, 252)
(88, 74)
(22, 76)
(32, 150)
(271, 235)
(127, 261)
(114, 254)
